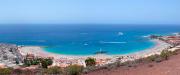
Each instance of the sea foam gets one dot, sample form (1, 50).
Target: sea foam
(120, 33)
(112, 42)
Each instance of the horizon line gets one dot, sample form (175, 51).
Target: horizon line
(78, 24)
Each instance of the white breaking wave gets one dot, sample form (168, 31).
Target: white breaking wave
(120, 33)
(177, 34)
(112, 42)
(32, 40)
(146, 36)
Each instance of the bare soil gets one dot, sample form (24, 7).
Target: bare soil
(167, 67)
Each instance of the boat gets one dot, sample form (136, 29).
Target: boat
(100, 52)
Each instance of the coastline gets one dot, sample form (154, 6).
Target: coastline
(156, 49)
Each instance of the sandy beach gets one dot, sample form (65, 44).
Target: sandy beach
(38, 51)
(157, 49)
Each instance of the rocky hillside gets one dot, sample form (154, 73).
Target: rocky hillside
(9, 55)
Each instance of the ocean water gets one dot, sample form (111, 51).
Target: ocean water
(85, 39)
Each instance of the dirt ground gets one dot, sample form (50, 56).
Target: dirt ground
(168, 67)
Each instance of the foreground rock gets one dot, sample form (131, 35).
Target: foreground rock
(9, 55)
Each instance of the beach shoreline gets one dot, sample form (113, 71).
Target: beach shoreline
(156, 49)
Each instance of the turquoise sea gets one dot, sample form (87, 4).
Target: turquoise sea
(84, 39)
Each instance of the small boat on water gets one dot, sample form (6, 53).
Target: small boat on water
(100, 52)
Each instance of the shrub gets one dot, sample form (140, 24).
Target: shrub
(46, 62)
(35, 62)
(159, 59)
(90, 62)
(165, 54)
(5, 71)
(152, 57)
(53, 70)
(175, 52)
(74, 70)
(49, 61)
(27, 62)
(31, 62)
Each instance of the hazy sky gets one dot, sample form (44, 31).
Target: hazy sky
(90, 11)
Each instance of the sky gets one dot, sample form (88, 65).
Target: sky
(90, 11)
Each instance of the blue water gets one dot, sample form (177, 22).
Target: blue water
(84, 39)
